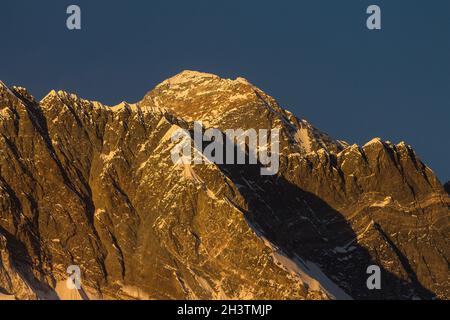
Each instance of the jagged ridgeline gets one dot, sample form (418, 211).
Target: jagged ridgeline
(91, 185)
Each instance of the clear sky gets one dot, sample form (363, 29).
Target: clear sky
(316, 57)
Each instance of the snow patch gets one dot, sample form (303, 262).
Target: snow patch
(382, 204)
(64, 293)
(309, 272)
(108, 157)
(302, 137)
(188, 76)
(189, 174)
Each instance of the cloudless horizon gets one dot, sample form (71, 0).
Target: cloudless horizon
(315, 57)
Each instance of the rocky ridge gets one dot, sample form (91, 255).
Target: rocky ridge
(87, 184)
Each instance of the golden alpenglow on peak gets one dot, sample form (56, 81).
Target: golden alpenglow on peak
(189, 76)
(207, 150)
(110, 194)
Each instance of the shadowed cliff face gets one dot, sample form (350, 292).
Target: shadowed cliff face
(447, 187)
(90, 185)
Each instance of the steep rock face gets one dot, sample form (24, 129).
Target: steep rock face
(233, 104)
(14, 285)
(396, 213)
(86, 184)
(447, 187)
(94, 186)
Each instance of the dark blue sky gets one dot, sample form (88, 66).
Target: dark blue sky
(315, 57)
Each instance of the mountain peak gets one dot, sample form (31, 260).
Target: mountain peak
(60, 94)
(196, 77)
(51, 94)
(188, 76)
(200, 96)
(110, 194)
(376, 140)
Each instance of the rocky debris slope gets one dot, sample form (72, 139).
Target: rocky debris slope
(90, 185)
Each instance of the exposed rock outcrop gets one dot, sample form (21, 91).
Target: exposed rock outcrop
(91, 185)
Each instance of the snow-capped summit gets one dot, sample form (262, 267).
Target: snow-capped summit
(188, 76)
(84, 181)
